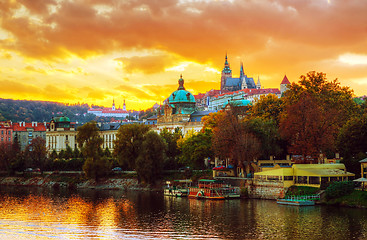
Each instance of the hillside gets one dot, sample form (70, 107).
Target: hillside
(42, 111)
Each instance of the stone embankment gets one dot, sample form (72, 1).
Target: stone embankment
(69, 182)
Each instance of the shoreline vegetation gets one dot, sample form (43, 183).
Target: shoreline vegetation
(129, 182)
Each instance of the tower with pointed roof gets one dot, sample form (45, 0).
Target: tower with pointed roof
(124, 106)
(284, 84)
(226, 73)
(258, 85)
(113, 105)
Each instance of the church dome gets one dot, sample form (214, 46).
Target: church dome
(62, 119)
(181, 95)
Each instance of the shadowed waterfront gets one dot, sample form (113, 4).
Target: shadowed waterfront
(38, 214)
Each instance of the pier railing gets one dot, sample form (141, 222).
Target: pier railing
(315, 197)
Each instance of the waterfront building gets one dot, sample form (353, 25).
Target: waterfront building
(60, 134)
(26, 132)
(305, 174)
(110, 112)
(363, 168)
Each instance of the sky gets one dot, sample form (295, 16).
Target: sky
(97, 51)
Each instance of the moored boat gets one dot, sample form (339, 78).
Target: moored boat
(213, 189)
(177, 188)
(308, 200)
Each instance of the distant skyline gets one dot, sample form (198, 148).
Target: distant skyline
(94, 51)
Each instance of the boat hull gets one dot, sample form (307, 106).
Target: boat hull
(296, 202)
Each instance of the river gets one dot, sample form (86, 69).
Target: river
(40, 214)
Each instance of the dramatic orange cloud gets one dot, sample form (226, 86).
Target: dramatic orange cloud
(96, 50)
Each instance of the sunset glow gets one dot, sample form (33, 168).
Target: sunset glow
(93, 51)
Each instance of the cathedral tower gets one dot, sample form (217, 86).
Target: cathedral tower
(226, 73)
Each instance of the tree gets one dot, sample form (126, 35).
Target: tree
(233, 141)
(172, 150)
(149, 163)
(68, 153)
(197, 148)
(351, 143)
(90, 142)
(6, 156)
(129, 142)
(38, 152)
(267, 133)
(315, 110)
(268, 107)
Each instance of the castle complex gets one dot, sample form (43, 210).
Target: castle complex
(228, 83)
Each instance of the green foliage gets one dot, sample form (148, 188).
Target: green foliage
(107, 152)
(97, 168)
(353, 136)
(41, 111)
(53, 155)
(128, 143)
(196, 148)
(68, 152)
(355, 199)
(266, 131)
(268, 107)
(172, 150)
(61, 154)
(90, 142)
(301, 190)
(149, 164)
(339, 189)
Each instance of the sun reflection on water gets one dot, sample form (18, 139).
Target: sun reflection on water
(152, 216)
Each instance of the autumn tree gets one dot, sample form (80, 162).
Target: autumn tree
(90, 142)
(233, 141)
(315, 110)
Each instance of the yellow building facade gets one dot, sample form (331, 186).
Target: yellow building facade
(306, 174)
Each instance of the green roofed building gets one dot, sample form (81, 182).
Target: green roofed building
(179, 111)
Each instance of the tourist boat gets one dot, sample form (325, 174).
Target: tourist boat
(213, 189)
(177, 188)
(308, 200)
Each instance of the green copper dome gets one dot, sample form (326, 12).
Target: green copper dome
(181, 95)
(62, 119)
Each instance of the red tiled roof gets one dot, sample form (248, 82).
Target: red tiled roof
(285, 80)
(19, 127)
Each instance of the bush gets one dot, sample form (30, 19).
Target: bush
(339, 189)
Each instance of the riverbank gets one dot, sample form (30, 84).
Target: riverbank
(73, 181)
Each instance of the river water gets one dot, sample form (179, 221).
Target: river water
(40, 214)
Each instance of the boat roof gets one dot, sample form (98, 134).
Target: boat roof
(183, 180)
(210, 180)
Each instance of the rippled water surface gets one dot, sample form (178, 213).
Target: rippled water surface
(38, 214)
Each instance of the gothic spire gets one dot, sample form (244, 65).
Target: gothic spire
(226, 68)
(242, 72)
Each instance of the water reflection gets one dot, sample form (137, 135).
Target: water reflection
(40, 214)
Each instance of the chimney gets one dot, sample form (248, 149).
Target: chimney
(337, 156)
